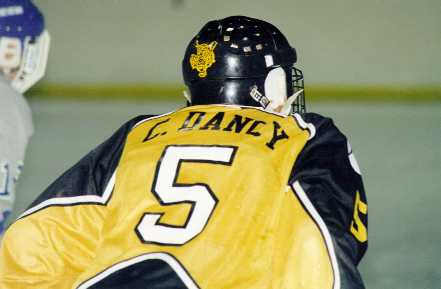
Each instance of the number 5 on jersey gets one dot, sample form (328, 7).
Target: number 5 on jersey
(168, 192)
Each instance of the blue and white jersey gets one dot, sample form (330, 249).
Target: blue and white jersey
(16, 128)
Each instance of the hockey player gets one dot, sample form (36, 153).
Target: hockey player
(240, 189)
(23, 53)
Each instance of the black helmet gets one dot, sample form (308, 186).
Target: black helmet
(244, 61)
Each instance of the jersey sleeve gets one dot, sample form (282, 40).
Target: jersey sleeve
(55, 238)
(15, 130)
(327, 180)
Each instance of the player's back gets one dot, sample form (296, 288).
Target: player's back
(201, 195)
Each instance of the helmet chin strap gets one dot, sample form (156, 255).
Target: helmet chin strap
(287, 107)
(187, 96)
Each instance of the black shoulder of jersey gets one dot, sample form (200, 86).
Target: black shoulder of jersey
(92, 173)
(331, 183)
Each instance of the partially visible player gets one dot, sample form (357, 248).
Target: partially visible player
(24, 45)
(240, 189)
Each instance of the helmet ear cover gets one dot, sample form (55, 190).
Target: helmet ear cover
(33, 64)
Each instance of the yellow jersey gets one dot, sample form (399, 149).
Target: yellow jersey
(206, 197)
